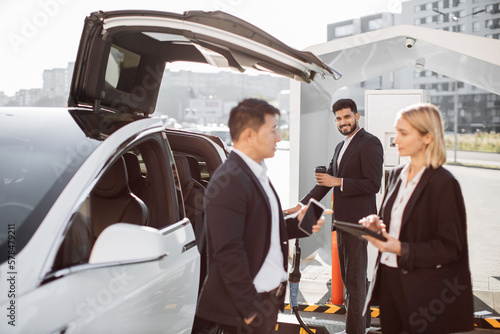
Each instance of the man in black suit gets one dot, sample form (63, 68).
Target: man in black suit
(247, 233)
(355, 174)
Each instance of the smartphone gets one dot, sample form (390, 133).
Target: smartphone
(314, 212)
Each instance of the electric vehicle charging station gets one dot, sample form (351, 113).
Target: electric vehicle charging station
(313, 137)
(381, 108)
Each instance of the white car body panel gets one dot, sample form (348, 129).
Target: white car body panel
(101, 302)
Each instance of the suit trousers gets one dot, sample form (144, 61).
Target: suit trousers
(265, 321)
(394, 315)
(353, 260)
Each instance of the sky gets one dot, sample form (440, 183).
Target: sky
(44, 34)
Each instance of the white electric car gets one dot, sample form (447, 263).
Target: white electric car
(94, 232)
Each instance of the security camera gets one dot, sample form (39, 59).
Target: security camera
(410, 42)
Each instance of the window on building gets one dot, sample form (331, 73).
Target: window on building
(446, 3)
(436, 18)
(446, 86)
(492, 24)
(375, 24)
(491, 97)
(476, 26)
(417, 8)
(346, 30)
(460, 84)
(493, 8)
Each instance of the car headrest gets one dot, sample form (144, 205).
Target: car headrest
(114, 181)
(194, 168)
(133, 167)
(182, 165)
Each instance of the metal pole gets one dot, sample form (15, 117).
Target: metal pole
(455, 125)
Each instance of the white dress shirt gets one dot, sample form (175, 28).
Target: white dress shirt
(405, 191)
(347, 141)
(272, 273)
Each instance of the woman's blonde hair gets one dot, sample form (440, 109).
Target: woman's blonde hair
(427, 119)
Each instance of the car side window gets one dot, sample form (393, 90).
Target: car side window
(78, 240)
(137, 187)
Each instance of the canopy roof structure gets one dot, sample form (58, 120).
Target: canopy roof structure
(468, 58)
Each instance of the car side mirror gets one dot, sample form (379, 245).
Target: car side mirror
(124, 242)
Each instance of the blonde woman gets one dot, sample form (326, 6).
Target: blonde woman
(422, 279)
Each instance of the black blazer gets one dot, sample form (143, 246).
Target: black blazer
(434, 261)
(361, 168)
(238, 221)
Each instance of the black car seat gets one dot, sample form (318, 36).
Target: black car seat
(137, 183)
(193, 194)
(194, 167)
(113, 202)
(136, 180)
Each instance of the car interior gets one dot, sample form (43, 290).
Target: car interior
(135, 189)
(113, 201)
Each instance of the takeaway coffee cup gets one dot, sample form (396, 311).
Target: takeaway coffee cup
(320, 169)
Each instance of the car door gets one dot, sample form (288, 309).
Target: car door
(141, 276)
(122, 55)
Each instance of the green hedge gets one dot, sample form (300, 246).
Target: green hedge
(479, 142)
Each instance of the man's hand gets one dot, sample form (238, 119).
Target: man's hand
(292, 210)
(324, 179)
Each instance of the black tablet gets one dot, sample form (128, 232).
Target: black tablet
(357, 230)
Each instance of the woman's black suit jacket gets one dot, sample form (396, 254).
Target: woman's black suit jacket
(238, 221)
(434, 261)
